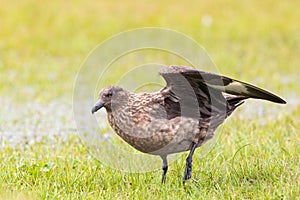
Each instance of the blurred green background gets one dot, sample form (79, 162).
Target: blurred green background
(43, 45)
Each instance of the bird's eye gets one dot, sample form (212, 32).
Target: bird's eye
(109, 94)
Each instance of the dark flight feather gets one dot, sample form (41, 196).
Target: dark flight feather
(225, 84)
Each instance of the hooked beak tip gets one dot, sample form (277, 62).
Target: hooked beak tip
(97, 106)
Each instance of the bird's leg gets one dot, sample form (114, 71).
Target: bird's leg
(164, 168)
(188, 166)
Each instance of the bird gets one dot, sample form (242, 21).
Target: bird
(181, 116)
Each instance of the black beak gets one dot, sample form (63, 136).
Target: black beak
(97, 106)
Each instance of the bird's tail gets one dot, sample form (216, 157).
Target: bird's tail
(234, 102)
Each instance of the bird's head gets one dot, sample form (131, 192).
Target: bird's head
(111, 97)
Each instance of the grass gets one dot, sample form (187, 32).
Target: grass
(42, 48)
(252, 165)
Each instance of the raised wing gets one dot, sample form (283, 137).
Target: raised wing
(190, 87)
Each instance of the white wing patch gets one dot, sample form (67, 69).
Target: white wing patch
(233, 87)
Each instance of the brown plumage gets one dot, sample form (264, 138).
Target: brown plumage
(181, 116)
